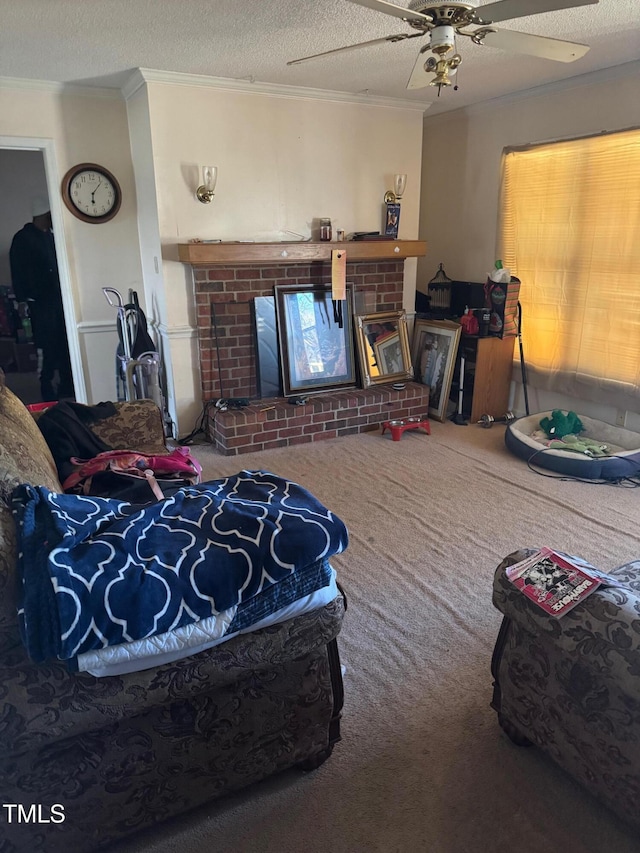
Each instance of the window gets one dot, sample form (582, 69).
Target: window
(570, 230)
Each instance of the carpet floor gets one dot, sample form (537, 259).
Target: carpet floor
(423, 765)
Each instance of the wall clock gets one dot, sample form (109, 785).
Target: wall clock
(91, 193)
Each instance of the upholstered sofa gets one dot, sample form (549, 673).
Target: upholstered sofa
(115, 754)
(571, 686)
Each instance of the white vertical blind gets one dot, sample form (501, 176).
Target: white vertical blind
(570, 230)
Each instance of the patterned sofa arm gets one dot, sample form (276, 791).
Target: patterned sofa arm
(137, 425)
(603, 631)
(99, 702)
(24, 457)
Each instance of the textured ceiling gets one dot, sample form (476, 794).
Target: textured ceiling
(100, 43)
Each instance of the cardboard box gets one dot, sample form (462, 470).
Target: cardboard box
(502, 300)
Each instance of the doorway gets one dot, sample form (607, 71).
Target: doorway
(35, 360)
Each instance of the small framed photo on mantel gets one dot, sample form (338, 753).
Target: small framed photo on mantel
(391, 219)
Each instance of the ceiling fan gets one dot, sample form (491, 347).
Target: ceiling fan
(444, 21)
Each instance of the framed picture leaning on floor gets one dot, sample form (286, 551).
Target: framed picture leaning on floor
(315, 338)
(433, 354)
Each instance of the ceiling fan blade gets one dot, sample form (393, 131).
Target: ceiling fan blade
(398, 37)
(545, 48)
(392, 9)
(506, 10)
(419, 77)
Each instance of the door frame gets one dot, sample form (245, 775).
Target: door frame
(47, 147)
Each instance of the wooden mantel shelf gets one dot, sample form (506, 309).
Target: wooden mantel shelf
(209, 254)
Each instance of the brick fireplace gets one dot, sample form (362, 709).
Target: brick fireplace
(225, 285)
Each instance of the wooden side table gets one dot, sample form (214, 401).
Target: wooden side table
(489, 362)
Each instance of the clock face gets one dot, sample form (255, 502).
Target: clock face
(91, 193)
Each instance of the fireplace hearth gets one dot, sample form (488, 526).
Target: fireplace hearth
(267, 424)
(224, 294)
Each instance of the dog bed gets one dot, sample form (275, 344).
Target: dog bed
(623, 449)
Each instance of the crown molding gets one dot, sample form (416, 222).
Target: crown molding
(134, 83)
(54, 88)
(602, 75)
(141, 76)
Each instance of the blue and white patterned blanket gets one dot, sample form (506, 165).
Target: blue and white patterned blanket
(97, 572)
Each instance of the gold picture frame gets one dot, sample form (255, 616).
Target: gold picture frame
(433, 353)
(383, 348)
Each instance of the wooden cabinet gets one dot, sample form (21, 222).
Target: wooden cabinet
(487, 380)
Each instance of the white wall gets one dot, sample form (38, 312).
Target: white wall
(84, 128)
(462, 153)
(283, 161)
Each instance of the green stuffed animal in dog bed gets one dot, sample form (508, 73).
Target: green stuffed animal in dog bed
(561, 424)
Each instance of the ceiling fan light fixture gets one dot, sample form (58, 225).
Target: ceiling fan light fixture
(443, 69)
(441, 78)
(443, 39)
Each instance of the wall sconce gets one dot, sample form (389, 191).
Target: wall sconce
(399, 186)
(205, 192)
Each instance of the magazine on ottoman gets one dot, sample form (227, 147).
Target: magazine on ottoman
(554, 581)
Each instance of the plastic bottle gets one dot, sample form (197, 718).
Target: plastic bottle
(25, 322)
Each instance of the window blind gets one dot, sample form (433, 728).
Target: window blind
(570, 230)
